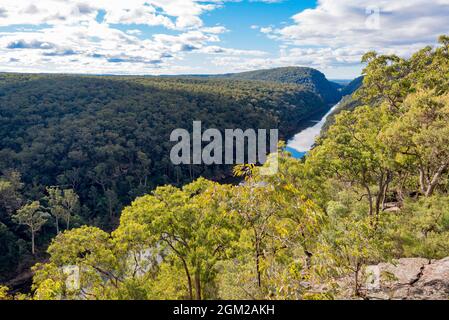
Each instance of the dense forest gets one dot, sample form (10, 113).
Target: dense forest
(375, 188)
(307, 77)
(84, 146)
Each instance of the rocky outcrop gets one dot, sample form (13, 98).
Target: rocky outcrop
(407, 279)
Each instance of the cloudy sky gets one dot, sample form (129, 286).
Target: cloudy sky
(211, 36)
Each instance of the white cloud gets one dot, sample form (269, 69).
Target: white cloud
(266, 30)
(175, 14)
(340, 31)
(215, 30)
(65, 36)
(233, 52)
(134, 32)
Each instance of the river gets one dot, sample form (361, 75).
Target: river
(304, 140)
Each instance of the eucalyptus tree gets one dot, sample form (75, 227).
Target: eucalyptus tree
(31, 216)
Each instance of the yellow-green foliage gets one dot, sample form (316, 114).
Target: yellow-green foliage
(373, 189)
(4, 293)
(424, 227)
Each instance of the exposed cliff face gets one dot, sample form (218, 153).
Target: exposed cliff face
(404, 279)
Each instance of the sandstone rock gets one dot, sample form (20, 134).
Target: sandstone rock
(403, 271)
(409, 279)
(433, 282)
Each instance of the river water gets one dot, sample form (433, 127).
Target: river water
(304, 140)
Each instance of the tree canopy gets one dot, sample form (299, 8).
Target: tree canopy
(373, 189)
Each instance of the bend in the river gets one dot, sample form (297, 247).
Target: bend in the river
(304, 140)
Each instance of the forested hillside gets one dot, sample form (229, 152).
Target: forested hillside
(308, 77)
(106, 141)
(352, 86)
(373, 190)
(348, 102)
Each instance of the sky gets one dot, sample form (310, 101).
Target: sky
(211, 36)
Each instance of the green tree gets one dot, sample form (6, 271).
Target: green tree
(424, 227)
(386, 79)
(63, 204)
(10, 197)
(421, 136)
(353, 153)
(89, 252)
(352, 242)
(279, 236)
(4, 293)
(33, 217)
(189, 225)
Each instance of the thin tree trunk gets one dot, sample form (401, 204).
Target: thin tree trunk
(422, 179)
(57, 225)
(186, 268)
(370, 199)
(189, 279)
(383, 188)
(356, 280)
(259, 278)
(198, 285)
(379, 194)
(435, 180)
(384, 195)
(400, 190)
(33, 251)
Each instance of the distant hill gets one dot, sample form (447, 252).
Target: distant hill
(352, 86)
(348, 103)
(341, 82)
(308, 77)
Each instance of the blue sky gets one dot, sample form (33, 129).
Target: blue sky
(211, 36)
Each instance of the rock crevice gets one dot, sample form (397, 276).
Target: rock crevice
(408, 279)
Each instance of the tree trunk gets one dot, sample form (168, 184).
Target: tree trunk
(379, 195)
(198, 285)
(383, 188)
(435, 180)
(186, 268)
(259, 277)
(370, 199)
(422, 180)
(356, 280)
(33, 251)
(384, 195)
(57, 225)
(189, 279)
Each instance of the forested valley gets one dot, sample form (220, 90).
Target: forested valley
(374, 189)
(80, 148)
